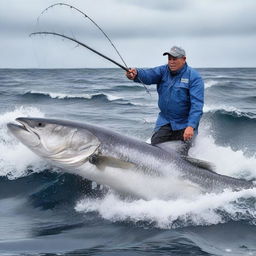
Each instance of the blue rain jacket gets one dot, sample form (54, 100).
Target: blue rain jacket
(181, 96)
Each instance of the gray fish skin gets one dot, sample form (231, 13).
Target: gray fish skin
(74, 147)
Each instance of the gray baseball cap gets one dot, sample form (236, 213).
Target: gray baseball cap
(176, 51)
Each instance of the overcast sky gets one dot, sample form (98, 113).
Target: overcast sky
(214, 33)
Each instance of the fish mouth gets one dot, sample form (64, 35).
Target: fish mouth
(23, 123)
(17, 127)
(21, 126)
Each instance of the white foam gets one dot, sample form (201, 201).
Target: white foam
(111, 97)
(228, 109)
(226, 160)
(55, 95)
(214, 108)
(15, 158)
(210, 83)
(201, 210)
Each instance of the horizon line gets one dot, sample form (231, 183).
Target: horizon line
(1, 68)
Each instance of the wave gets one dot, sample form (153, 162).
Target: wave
(250, 99)
(58, 188)
(16, 159)
(203, 210)
(129, 88)
(229, 111)
(149, 120)
(104, 97)
(210, 83)
(54, 95)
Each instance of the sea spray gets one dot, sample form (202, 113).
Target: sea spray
(15, 158)
(207, 209)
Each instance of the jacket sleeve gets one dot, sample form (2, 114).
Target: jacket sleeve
(196, 101)
(149, 76)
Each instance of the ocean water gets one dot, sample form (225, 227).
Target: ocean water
(45, 211)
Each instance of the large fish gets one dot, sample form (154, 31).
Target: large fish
(125, 164)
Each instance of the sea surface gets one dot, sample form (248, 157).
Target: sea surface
(45, 211)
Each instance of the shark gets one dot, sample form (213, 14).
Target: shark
(122, 163)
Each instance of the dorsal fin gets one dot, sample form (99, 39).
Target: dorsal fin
(182, 148)
(200, 163)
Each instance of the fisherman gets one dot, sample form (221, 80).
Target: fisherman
(181, 97)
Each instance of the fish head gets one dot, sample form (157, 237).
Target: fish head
(61, 142)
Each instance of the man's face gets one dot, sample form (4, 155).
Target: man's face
(175, 63)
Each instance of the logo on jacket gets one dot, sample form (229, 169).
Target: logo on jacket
(184, 80)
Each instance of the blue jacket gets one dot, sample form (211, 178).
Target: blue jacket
(181, 96)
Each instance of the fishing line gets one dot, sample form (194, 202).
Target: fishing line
(125, 67)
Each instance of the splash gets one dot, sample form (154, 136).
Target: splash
(227, 161)
(15, 158)
(181, 211)
(207, 209)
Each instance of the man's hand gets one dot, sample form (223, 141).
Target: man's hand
(132, 73)
(188, 133)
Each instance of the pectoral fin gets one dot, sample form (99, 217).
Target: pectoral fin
(103, 161)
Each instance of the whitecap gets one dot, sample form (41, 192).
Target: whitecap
(55, 95)
(210, 83)
(199, 210)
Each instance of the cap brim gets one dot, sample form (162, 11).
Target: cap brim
(174, 55)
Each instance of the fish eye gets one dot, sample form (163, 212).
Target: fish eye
(40, 124)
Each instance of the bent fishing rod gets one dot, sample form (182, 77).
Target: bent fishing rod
(125, 67)
(82, 44)
(85, 16)
(89, 48)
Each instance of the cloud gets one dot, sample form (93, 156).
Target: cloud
(163, 5)
(141, 19)
(138, 27)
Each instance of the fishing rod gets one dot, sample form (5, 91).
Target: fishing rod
(89, 48)
(125, 67)
(86, 16)
(82, 44)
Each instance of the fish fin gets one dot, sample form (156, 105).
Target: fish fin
(200, 163)
(103, 161)
(182, 148)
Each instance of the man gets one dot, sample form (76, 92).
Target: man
(181, 97)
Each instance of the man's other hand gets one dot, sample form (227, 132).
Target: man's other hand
(188, 133)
